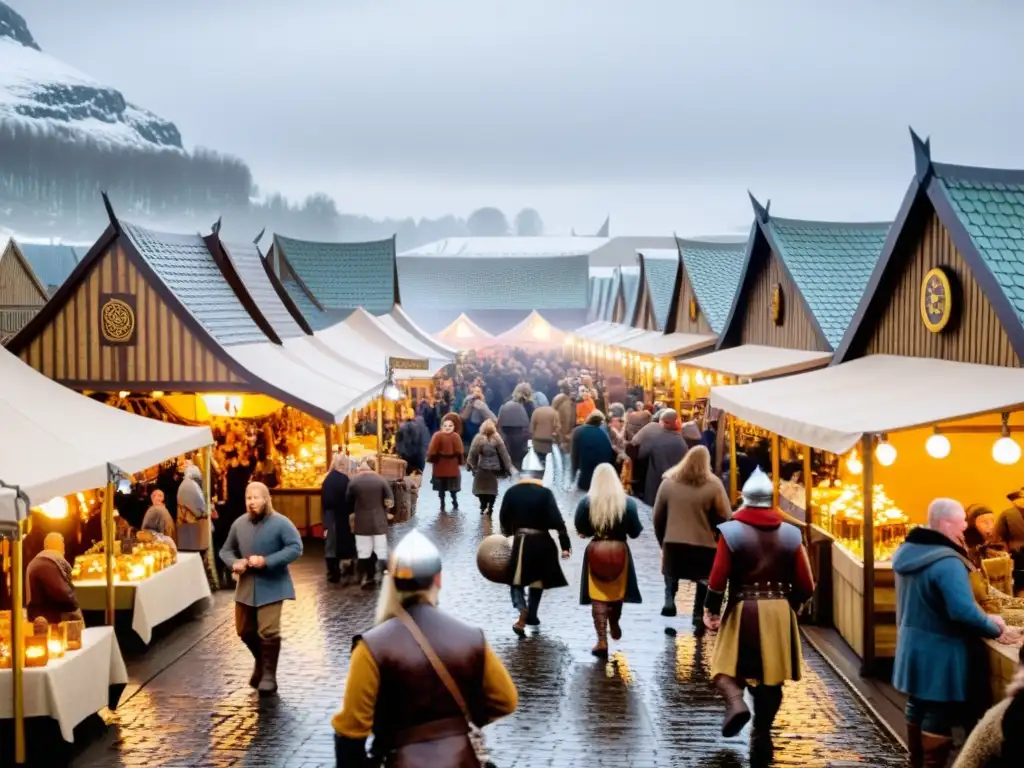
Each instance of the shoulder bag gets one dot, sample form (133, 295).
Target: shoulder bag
(476, 736)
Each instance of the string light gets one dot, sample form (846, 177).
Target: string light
(937, 445)
(1005, 450)
(885, 452)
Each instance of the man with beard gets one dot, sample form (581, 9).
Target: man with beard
(259, 547)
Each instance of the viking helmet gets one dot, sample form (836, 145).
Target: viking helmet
(757, 491)
(414, 563)
(533, 466)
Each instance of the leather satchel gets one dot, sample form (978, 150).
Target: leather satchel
(476, 736)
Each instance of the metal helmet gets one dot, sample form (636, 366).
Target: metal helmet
(533, 465)
(758, 491)
(414, 562)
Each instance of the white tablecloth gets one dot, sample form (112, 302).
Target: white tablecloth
(164, 594)
(72, 688)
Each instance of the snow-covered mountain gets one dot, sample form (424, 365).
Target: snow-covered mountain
(43, 92)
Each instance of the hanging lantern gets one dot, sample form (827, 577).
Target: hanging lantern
(853, 464)
(937, 445)
(885, 452)
(1006, 450)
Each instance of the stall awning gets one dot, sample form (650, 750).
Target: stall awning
(361, 329)
(533, 332)
(616, 335)
(465, 334)
(753, 361)
(597, 328)
(831, 409)
(399, 317)
(54, 441)
(669, 344)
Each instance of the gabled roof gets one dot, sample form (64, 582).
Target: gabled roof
(317, 318)
(714, 271)
(982, 209)
(463, 333)
(660, 270)
(51, 263)
(526, 283)
(629, 288)
(344, 275)
(598, 295)
(13, 251)
(831, 263)
(534, 332)
(187, 268)
(608, 298)
(621, 250)
(248, 265)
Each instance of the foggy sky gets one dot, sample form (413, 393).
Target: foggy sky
(660, 112)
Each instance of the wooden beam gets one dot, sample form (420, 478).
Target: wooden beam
(733, 474)
(776, 463)
(868, 458)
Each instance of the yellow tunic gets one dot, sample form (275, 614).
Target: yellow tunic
(355, 720)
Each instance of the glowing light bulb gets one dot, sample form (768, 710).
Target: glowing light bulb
(854, 465)
(937, 446)
(886, 454)
(1005, 450)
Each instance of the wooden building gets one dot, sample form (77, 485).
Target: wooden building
(659, 278)
(21, 292)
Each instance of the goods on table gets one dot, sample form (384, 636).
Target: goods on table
(999, 572)
(840, 509)
(144, 559)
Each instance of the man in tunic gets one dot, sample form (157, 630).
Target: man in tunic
(763, 562)
(259, 547)
(49, 592)
(529, 512)
(419, 678)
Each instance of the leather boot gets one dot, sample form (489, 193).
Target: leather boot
(271, 648)
(914, 746)
(520, 626)
(700, 594)
(455, 502)
(935, 749)
(532, 606)
(441, 494)
(366, 568)
(599, 610)
(252, 642)
(767, 700)
(333, 572)
(671, 587)
(736, 712)
(614, 614)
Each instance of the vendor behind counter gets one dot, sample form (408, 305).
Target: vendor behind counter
(48, 589)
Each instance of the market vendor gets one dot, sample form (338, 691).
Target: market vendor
(49, 592)
(157, 517)
(979, 538)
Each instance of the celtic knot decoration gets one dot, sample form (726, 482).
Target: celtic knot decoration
(117, 321)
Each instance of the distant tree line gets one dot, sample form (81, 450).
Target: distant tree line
(50, 184)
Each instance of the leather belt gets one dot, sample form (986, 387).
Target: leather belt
(769, 590)
(528, 531)
(435, 729)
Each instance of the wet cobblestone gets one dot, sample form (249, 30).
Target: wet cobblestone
(652, 705)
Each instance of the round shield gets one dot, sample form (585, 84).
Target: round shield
(606, 559)
(494, 557)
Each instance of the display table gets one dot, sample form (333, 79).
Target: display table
(1002, 666)
(848, 602)
(154, 600)
(74, 687)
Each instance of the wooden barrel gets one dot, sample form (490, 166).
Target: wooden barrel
(494, 558)
(607, 559)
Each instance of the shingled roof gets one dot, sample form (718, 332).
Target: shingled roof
(248, 264)
(660, 269)
(831, 263)
(317, 318)
(982, 209)
(186, 266)
(343, 275)
(524, 283)
(714, 271)
(51, 263)
(629, 287)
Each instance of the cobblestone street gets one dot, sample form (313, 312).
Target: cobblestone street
(652, 707)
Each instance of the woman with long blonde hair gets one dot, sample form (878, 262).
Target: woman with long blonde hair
(608, 517)
(690, 504)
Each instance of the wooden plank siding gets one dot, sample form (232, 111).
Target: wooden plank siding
(755, 322)
(164, 355)
(683, 322)
(897, 328)
(17, 286)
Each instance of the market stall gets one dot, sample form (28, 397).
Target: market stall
(533, 333)
(44, 459)
(464, 334)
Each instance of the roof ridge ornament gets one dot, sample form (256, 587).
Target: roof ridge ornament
(215, 229)
(923, 167)
(760, 211)
(110, 212)
(256, 240)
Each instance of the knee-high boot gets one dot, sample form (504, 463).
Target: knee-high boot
(671, 587)
(736, 712)
(252, 642)
(532, 606)
(442, 497)
(767, 700)
(271, 648)
(936, 749)
(614, 614)
(599, 610)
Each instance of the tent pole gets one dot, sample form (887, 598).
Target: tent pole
(329, 438)
(18, 642)
(733, 476)
(108, 546)
(380, 431)
(808, 489)
(868, 623)
(776, 463)
(677, 396)
(206, 457)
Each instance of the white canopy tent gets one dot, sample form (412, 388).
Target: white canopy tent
(399, 317)
(669, 344)
(533, 332)
(754, 361)
(464, 334)
(615, 336)
(833, 408)
(55, 441)
(598, 330)
(360, 338)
